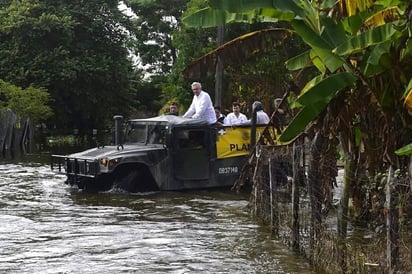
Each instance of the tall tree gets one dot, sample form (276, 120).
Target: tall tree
(76, 50)
(156, 20)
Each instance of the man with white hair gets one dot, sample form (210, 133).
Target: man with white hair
(201, 107)
(261, 117)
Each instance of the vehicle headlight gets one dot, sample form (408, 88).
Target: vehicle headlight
(113, 162)
(103, 161)
(109, 163)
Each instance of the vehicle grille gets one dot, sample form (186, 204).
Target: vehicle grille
(75, 166)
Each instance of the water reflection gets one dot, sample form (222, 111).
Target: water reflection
(48, 227)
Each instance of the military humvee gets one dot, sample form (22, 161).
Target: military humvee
(160, 153)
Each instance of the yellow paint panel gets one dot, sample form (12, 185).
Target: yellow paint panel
(233, 142)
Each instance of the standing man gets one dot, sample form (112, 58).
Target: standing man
(261, 117)
(201, 107)
(235, 118)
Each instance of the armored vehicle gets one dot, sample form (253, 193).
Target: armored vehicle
(160, 153)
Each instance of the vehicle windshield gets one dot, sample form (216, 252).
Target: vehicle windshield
(145, 133)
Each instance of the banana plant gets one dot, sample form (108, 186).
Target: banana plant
(407, 150)
(349, 42)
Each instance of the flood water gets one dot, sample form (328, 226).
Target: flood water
(48, 227)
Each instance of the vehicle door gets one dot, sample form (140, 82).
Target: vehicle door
(192, 153)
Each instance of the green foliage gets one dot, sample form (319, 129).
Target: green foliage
(74, 50)
(336, 44)
(30, 102)
(191, 44)
(366, 39)
(155, 52)
(261, 76)
(164, 47)
(406, 150)
(156, 21)
(314, 101)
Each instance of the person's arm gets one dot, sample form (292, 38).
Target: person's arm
(189, 113)
(267, 119)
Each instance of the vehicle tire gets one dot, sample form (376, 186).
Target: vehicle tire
(127, 180)
(134, 179)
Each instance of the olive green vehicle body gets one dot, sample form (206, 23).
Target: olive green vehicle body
(163, 153)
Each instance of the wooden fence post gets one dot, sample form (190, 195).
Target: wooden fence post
(271, 191)
(392, 223)
(316, 149)
(297, 153)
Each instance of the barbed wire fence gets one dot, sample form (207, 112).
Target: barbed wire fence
(293, 200)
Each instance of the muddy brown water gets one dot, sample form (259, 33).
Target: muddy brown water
(48, 227)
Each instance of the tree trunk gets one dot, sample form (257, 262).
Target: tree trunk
(219, 68)
(7, 121)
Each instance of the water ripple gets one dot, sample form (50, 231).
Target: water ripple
(48, 227)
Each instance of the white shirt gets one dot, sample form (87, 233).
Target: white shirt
(262, 118)
(201, 108)
(231, 119)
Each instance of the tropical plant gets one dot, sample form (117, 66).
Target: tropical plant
(336, 42)
(362, 52)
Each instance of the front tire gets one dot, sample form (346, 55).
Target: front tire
(134, 179)
(127, 180)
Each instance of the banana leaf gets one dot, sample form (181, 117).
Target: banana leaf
(299, 123)
(300, 61)
(333, 32)
(247, 5)
(366, 39)
(208, 17)
(314, 101)
(408, 97)
(326, 89)
(403, 151)
(322, 48)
